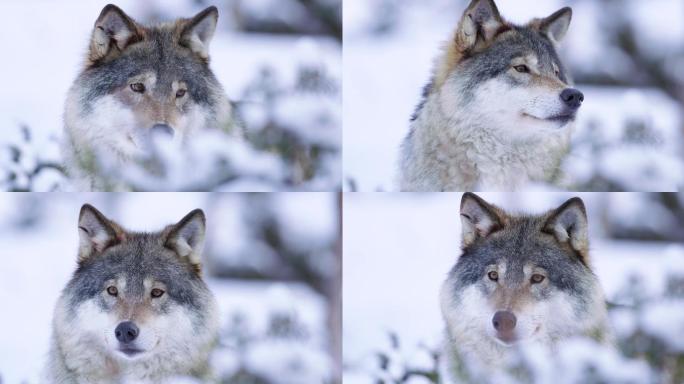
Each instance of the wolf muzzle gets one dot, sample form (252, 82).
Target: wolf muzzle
(126, 332)
(504, 323)
(572, 98)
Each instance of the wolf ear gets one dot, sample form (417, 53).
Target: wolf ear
(187, 237)
(480, 22)
(196, 33)
(113, 30)
(569, 224)
(96, 232)
(478, 218)
(556, 25)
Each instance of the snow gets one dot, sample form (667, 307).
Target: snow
(276, 358)
(665, 320)
(577, 354)
(649, 19)
(187, 167)
(320, 226)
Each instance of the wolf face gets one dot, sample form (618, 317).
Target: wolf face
(517, 66)
(140, 81)
(521, 279)
(136, 304)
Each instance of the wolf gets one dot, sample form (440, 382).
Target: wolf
(136, 309)
(499, 110)
(140, 81)
(520, 280)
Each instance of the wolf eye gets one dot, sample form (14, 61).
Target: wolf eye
(156, 293)
(138, 87)
(522, 68)
(537, 278)
(493, 276)
(112, 290)
(180, 93)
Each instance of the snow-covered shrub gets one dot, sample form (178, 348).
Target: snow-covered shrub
(647, 322)
(26, 165)
(322, 17)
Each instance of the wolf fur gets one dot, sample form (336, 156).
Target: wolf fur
(531, 271)
(498, 112)
(115, 289)
(139, 81)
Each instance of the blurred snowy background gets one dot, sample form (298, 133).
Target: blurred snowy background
(398, 249)
(272, 260)
(279, 60)
(627, 56)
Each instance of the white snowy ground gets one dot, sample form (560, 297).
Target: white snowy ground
(398, 249)
(384, 76)
(45, 44)
(38, 262)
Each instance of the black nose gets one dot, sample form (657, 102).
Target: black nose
(162, 129)
(126, 332)
(504, 321)
(572, 97)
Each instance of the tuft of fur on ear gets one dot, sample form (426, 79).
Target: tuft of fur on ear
(480, 23)
(478, 218)
(556, 25)
(187, 237)
(96, 233)
(113, 32)
(569, 224)
(197, 32)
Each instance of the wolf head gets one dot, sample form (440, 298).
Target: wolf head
(522, 278)
(139, 81)
(137, 299)
(507, 76)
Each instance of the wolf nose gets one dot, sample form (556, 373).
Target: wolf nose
(504, 321)
(126, 332)
(572, 97)
(162, 129)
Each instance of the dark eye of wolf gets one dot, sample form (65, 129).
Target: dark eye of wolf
(180, 93)
(537, 278)
(156, 293)
(522, 68)
(138, 87)
(112, 290)
(493, 276)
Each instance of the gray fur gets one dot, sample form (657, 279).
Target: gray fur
(184, 320)
(159, 54)
(495, 61)
(482, 125)
(523, 241)
(142, 255)
(107, 122)
(568, 302)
